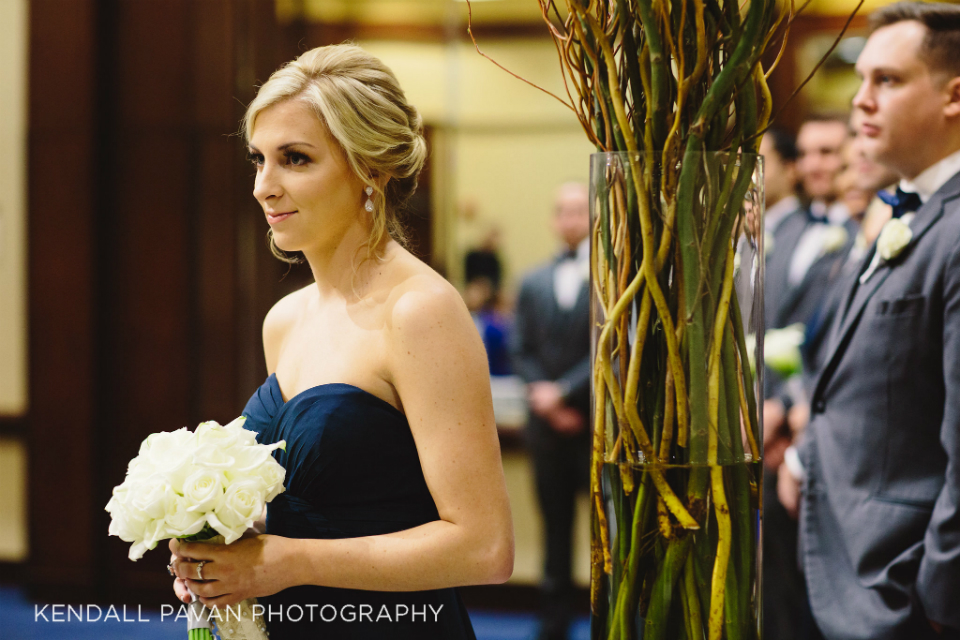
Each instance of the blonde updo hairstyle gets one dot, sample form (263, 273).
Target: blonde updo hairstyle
(362, 106)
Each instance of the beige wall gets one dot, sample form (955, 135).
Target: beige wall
(503, 146)
(13, 128)
(13, 338)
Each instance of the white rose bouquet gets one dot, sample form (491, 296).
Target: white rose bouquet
(210, 484)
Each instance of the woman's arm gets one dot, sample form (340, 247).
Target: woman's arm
(438, 366)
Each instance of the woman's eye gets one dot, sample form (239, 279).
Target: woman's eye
(255, 159)
(297, 159)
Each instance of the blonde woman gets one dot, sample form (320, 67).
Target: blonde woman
(377, 381)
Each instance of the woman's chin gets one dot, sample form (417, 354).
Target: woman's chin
(287, 245)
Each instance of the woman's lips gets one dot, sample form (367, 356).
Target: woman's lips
(870, 130)
(274, 218)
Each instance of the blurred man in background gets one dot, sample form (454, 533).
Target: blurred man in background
(551, 352)
(820, 144)
(785, 612)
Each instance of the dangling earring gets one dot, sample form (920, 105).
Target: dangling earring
(369, 205)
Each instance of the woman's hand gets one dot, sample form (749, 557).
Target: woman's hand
(255, 565)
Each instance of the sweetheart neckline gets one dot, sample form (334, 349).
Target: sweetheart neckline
(327, 385)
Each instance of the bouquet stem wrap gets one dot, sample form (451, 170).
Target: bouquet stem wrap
(236, 622)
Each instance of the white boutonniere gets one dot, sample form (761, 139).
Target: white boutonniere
(834, 239)
(894, 238)
(781, 349)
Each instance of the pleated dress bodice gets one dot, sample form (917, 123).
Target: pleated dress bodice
(352, 470)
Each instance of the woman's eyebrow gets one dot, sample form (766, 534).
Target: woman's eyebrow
(286, 146)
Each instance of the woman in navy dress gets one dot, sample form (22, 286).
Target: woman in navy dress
(377, 382)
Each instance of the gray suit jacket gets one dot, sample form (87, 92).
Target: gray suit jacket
(550, 343)
(785, 304)
(880, 526)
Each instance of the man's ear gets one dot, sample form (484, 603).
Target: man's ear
(951, 108)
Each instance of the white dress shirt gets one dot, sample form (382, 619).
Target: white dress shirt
(924, 185)
(931, 179)
(570, 274)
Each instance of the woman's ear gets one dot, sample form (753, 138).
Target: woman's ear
(379, 179)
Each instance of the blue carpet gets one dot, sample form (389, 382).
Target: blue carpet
(18, 621)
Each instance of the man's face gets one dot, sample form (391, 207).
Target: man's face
(821, 157)
(572, 214)
(902, 106)
(779, 175)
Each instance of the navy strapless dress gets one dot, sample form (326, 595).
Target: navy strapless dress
(352, 470)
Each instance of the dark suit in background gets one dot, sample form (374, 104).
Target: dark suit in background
(786, 613)
(553, 344)
(880, 520)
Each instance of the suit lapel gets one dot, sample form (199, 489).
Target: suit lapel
(856, 301)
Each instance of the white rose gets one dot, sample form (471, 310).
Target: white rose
(152, 497)
(245, 437)
(165, 453)
(272, 474)
(258, 463)
(130, 524)
(211, 433)
(204, 489)
(894, 238)
(125, 523)
(241, 505)
(154, 533)
(211, 456)
(164, 442)
(180, 521)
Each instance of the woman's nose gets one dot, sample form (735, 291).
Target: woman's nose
(266, 184)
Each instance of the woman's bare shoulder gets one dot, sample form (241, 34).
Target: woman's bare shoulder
(277, 324)
(421, 294)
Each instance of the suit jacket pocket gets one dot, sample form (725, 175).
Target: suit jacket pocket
(900, 307)
(914, 462)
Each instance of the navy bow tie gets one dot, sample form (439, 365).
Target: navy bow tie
(902, 202)
(812, 217)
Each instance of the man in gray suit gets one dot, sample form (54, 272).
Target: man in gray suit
(551, 352)
(880, 525)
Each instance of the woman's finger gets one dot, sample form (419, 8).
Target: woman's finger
(180, 589)
(205, 589)
(197, 550)
(195, 570)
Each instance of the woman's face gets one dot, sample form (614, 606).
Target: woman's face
(304, 184)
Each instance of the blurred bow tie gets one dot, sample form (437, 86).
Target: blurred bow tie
(901, 202)
(813, 217)
(569, 254)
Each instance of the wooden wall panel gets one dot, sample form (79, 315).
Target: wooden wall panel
(61, 248)
(143, 305)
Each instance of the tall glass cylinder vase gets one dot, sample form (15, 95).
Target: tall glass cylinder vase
(676, 283)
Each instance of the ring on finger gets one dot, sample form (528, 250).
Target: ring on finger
(200, 569)
(170, 570)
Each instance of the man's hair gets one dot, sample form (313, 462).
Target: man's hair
(783, 144)
(941, 46)
(829, 117)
